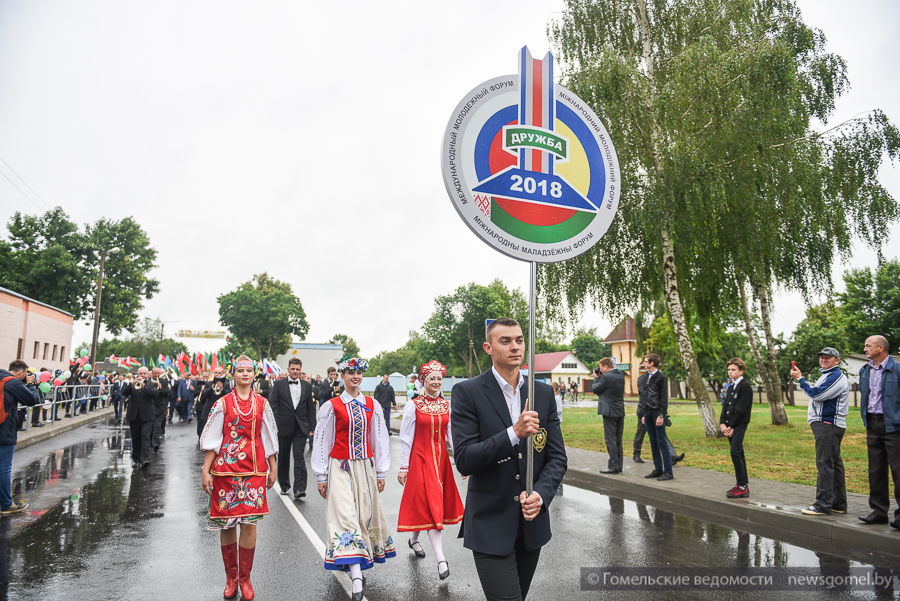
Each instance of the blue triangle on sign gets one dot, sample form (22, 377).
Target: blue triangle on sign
(531, 186)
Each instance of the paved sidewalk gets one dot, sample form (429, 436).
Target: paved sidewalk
(35, 435)
(772, 505)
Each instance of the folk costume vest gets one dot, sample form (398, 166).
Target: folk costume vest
(351, 426)
(242, 452)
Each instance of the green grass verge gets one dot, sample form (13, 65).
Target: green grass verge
(781, 453)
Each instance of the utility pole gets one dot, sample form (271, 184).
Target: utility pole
(103, 254)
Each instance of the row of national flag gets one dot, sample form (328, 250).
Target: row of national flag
(184, 363)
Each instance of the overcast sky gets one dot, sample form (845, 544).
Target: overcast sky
(303, 139)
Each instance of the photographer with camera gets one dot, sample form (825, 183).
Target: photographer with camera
(609, 386)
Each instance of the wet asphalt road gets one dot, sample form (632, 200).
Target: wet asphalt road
(96, 529)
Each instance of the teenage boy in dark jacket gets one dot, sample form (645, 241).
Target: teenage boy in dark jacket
(733, 422)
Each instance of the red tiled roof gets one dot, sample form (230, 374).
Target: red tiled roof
(545, 362)
(624, 331)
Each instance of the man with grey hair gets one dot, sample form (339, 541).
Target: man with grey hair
(879, 388)
(827, 416)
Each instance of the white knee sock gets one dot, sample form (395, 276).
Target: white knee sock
(435, 537)
(356, 572)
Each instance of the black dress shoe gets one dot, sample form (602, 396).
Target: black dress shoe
(654, 474)
(666, 477)
(873, 519)
(299, 496)
(637, 459)
(419, 552)
(446, 573)
(285, 491)
(145, 465)
(156, 449)
(677, 458)
(896, 524)
(609, 471)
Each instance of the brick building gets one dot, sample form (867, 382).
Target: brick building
(34, 332)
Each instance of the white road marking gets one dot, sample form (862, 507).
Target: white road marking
(317, 543)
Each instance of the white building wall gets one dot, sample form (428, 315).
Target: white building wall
(46, 333)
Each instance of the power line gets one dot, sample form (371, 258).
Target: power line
(20, 190)
(49, 208)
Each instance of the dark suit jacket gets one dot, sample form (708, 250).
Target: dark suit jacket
(185, 390)
(610, 390)
(737, 405)
(287, 418)
(497, 469)
(654, 394)
(384, 394)
(162, 399)
(141, 403)
(326, 391)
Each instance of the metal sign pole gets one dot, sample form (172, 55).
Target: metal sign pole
(529, 404)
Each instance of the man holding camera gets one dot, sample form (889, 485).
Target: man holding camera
(609, 386)
(16, 386)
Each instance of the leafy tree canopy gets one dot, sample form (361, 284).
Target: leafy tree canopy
(350, 346)
(587, 347)
(265, 314)
(49, 259)
(871, 304)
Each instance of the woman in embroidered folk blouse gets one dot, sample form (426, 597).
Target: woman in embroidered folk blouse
(350, 457)
(240, 439)
(430, 499)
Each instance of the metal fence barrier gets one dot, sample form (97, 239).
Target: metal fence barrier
(73, 397)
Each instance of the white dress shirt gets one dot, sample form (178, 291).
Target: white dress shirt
(513, 402)
(295, 389)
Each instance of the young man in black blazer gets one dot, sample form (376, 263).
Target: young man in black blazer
(504, 528)
(733, 422)
(295, 416)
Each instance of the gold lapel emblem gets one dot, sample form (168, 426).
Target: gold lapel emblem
(540, 439)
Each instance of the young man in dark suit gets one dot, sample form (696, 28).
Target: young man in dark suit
(504, 528)
(733, 422)
(295, 416)
(609, 386)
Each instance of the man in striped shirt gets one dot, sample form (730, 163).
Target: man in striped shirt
(827, 416)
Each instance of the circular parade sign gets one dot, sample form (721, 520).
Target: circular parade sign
(529, 166)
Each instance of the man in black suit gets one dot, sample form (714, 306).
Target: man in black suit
(162, 406)
(330, 387)
(504, 528)
(116, 398)
(141, 415)
(609, 387)
(295, 416)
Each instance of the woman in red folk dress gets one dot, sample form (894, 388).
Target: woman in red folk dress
(240, 439)
(430, 499)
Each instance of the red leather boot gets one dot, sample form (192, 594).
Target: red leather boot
(230, 557)
(246, 561)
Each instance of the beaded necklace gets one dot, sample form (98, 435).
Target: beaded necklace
(252, 398)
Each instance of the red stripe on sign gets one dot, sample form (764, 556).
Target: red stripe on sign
(534, 214)
(499, 159)
(537, 111)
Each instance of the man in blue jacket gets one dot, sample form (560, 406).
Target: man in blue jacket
(827, 416)
(16, 386)
(879, 388)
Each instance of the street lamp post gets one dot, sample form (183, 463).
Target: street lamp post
(162, 328)
(103, 254)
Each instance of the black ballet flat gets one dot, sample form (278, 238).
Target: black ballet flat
(446, 573)
(359, 596)
(417, 552)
